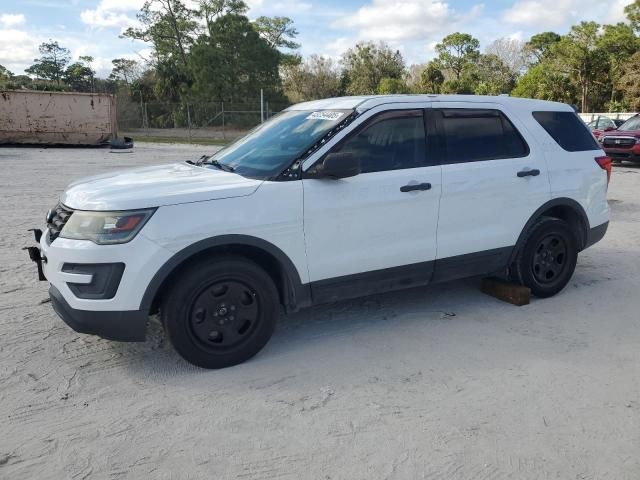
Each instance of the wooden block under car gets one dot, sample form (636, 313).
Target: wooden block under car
(507, 292)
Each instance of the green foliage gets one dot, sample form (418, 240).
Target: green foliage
(456, 52)
(278, 31)
(492, 76)
(539, 46)
(315, 78)
(51, 65)
(366, 64)
(431, 78)
(543, 81)
(629, 82)
(632, 11)
(234, 63)
(388, 86)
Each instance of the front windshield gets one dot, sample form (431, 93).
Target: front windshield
(632, 124)
(268, 149)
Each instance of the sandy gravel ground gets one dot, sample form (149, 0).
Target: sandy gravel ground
(441, 383)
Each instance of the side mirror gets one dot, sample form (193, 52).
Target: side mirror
(608, 129)
(339, 165)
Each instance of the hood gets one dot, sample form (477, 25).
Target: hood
(622, 133)
(155, 186)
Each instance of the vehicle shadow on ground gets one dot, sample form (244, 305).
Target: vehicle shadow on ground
(436, 310)
(320, 326)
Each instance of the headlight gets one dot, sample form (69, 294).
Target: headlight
(105, 228)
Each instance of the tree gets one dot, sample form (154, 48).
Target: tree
(170, 26)
(79, 75)
(125, 70)
(278, 31)
(619, 43)
(210, 10)
(492, 76)
(366, 64)
(632, 11)
(51, 65)
(543, 81)
(510, 51)
(539, 45)
(388, 86)
(234, 63)
(432, 78)
(317, 77)
(579, 56)
(456, 52)
(5, 76)
(629, 82)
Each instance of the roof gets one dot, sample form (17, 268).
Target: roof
(366, 102)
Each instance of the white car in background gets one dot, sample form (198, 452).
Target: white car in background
(330, 199)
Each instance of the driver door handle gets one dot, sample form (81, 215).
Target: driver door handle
(529, 173)
(417, 186)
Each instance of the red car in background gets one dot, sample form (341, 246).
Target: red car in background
(623, 143)
(601, 125)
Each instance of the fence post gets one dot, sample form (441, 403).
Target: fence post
(189, 121)
(222, 120)
(261, 106)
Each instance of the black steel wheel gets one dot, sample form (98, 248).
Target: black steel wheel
(221, 312)
(547, 259)
(224, 314)
(550, 259)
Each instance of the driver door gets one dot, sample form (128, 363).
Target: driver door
(375, 231)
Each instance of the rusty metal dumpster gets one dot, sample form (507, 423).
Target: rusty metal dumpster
(57, 118)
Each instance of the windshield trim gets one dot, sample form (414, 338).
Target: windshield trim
(290, 168)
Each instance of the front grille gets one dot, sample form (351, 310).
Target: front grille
(59, 217)
(618, 142)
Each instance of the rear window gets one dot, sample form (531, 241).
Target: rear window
(473, 135)
(567, 130)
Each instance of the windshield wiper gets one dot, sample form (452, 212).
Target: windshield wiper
(206, 160)
(221, 166)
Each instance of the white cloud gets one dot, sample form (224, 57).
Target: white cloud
(17, 49)
(546, 14)
(399, 19)
(282, 7)
(112, 14)
(12, 19)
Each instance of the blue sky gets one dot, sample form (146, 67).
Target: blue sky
(91, 27)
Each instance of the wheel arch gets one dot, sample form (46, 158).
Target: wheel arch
(565, 209)
(293, 294)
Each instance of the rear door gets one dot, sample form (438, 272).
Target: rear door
(493, 180)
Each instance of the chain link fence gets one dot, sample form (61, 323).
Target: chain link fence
(203, 122)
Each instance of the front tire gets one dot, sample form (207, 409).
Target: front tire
(548, 257)
(220, 312)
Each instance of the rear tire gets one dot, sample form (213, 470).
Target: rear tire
(548, 257)
(220, 312)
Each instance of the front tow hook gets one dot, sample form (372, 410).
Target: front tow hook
(36, 256)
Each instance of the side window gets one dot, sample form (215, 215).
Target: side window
(567, 130)
(472, 135)
(391, 140)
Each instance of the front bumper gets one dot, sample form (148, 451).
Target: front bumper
(627, 154)
(98, 289)
(123, 326)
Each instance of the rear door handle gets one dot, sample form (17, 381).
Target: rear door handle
(529, 173)
(417, 186)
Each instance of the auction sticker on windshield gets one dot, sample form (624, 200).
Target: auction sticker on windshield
(325, 115)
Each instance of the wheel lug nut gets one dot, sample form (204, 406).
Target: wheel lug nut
(213, 335)
(232, 318)
(232, 307)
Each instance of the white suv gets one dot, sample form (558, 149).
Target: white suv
(328, 200)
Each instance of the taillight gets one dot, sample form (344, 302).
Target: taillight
(605, 164)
